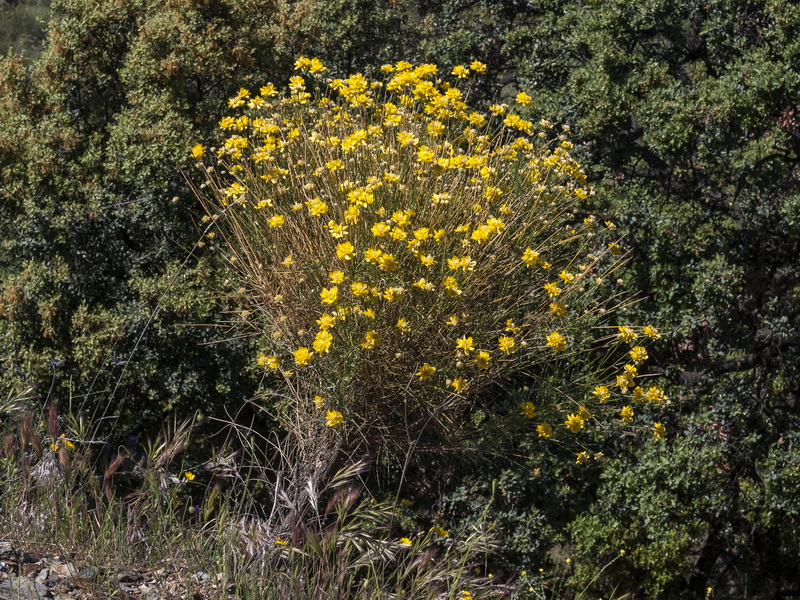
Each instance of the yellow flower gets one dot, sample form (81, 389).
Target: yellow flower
(435, 128)
(655, 394)
(345, 251)
(336, 277)
(528, 409)
(627, 334)
(319, 402)
(189, 476)
(326, 321)
(460, 71)
(559, 309)
(651, 332)
(425, 155)
(393, 294)
(557, 341)
(478, 67)
(552, 289)
(524, 99)
(302, 356)
(574, 423)
(451, 285)
(483, 359)
(198, 151)
(317, 207)
(506, 344)
(602, 393)
(566, 277)
(626, 414)
(511, 327)
(582, 457)
(544, 430)
(270, 361)
(638, 354)
(287, 262)
(423, 284)
(387, 262)
(371, 255)
(381, 229)
(426, 371)
(440, 532)
(531, 258)
(658, 431)
(322, 342)
(337, 230)
(481, 234)
(370, 340)
(403, 325)
(276, 221)
(333, 418)
(329, 295)
(465, 344)
(459, 384)
(405, 542)
(281, 541)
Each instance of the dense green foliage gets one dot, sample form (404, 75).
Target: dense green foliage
(684, 113)
(97, 216)
(688, 118)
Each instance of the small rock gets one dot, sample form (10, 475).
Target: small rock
(22, 588)
(63, 569)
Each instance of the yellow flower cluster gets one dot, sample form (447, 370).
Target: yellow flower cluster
(396, 239)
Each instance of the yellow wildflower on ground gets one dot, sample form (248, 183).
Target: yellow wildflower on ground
(426, 371)
(557, 341)
(574, 423)
(302, 356)
(333, 418)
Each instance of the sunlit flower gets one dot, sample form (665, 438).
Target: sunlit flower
(638, 354)
(302, 356)
(651, 332)
(465, 344)
(333, 418)
(524, 99)
(329, 295)
(483, 359)
(345, 251)
(322, 342)
(574, 423)
(506, 344)
(627, 334)
(602, 393)
(557, 341)
(426, 371)
(370, 340)
(528, 409)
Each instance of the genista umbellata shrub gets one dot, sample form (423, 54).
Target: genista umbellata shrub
(401, 253)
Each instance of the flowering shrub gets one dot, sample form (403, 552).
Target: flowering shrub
(401, 252)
